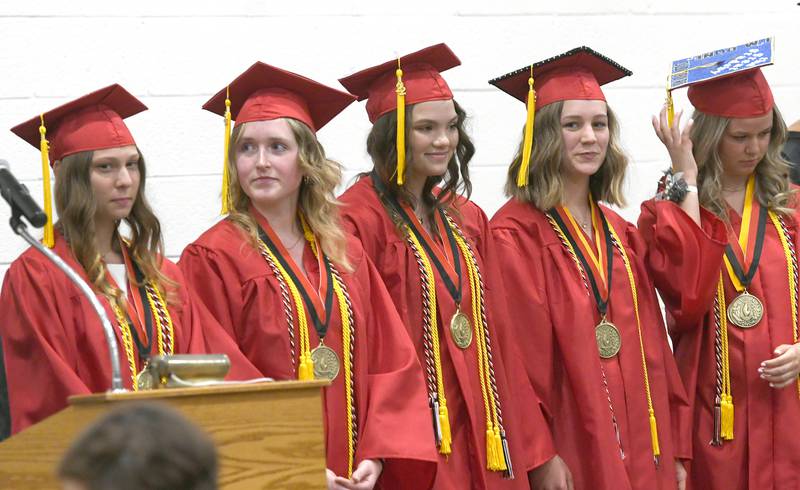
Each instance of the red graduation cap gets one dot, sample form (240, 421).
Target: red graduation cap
(421, 76)
(574, 75)
(739, 95)
(264, 92)
(92, 122)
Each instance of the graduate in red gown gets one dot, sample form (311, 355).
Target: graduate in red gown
(298, 295)
(724, 260)
(574, 269)
(433, 250)
(53, 342)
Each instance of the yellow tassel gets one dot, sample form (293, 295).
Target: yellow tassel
(498, 447)
(670, 109)
(654, 434)
(727, 417)
(447, 438)
(491, 451)
(527, 144)
(401, 125)
(305, 369)
(226, 197)
(49, 238)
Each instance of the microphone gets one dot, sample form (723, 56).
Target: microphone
(19, 198)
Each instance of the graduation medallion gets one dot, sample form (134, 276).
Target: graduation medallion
(326, 362)
(745, 311)
(608, 339)
(461, 330)
(144, 380)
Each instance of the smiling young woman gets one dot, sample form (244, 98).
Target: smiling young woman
(723, 257)
(297, 294)
(53, 342)
(431, 245)
(608, 383)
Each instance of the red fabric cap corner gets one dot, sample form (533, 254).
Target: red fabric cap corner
(744, 94)
(264, 92)
(92, 122)
(421, 76)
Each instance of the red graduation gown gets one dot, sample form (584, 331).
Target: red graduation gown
(54, 344)
(241, 291)
(545, 287)
(685, 261)
(530, 444)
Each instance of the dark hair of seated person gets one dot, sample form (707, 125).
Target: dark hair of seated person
(143, 447)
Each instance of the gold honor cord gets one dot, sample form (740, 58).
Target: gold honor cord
(635, 298)
(791, 272)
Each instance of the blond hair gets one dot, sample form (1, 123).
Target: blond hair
(545, 189)
(772, 182)
(76, 207)
(316, 201)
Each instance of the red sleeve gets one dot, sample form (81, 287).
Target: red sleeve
(683, 259)
(680, 409)
(533, 441)
(203, 333)
(38, 343)
(397, 427)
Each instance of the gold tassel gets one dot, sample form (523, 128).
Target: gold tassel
(44, 147)
(670, 109)
(401, 125)
(727, 417)
(444, 421)
(226, 197)
(491, 451)
(654, 434)
(305, 368)
(498, 447)
(527, 144)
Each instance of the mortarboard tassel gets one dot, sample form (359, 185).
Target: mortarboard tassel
(401, 125)
(527, 144)
(226, 196)
(44, 148)
(670, 109)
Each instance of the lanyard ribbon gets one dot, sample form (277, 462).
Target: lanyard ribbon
(320, 314)
(599, 272)
(737, 258)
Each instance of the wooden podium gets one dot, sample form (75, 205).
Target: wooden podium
(268, 435)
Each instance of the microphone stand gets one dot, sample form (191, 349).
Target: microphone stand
(19, 227)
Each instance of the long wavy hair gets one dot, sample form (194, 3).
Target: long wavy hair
(772, 182)
(545, 188)
(316, 201)
(382, 148)
(76, 206)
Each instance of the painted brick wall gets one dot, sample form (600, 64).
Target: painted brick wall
(175, 54)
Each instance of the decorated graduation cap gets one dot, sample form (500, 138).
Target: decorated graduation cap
(574, 75)
(264, 92)
(409, 79)
(92, 122)
(726, 82)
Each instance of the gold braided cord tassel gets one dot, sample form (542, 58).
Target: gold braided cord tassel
(226, 193)
(400, 89)
(127, 341)
(635, 298)
(44, 148)
(348, 372)
(791, 270)
(527, 142)
(726, 399)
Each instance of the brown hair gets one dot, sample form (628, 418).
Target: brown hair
(382, 148)
(142, 447)
(76, 207)
(545, 188)
(772, 183)
(317, 200)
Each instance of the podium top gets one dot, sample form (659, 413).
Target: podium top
(227, 388)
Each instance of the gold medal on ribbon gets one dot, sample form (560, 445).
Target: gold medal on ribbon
(608, 339)
(144, 380)
(326, 362)
(745, 311)
(461, 330)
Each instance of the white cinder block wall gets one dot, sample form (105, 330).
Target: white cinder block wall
(175, 54)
